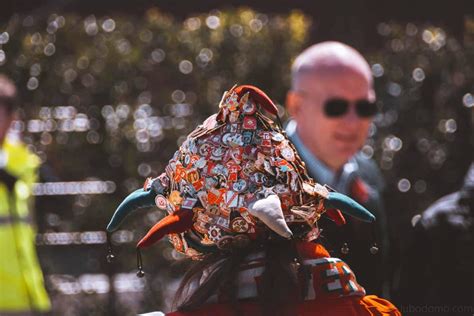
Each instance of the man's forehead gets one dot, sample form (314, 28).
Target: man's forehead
(339, 80)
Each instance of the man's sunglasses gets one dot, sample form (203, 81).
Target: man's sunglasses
(337, 107)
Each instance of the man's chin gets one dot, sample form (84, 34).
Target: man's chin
(346, 152)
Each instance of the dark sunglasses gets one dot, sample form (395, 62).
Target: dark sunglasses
(339, 107)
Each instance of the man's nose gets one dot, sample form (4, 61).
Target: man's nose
(351, 116)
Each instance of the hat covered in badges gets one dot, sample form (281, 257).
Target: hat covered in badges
(236, 178)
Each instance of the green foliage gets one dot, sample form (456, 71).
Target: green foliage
(141, 80)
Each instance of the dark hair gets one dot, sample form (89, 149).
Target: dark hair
(8, 94)
(283, 283)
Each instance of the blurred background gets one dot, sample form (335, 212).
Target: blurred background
(109, 90)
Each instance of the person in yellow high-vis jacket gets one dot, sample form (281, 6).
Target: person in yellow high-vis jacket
(22, 289)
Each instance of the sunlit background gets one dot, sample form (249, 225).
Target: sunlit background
(108, 97)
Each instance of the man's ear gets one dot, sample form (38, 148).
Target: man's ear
(293, 101)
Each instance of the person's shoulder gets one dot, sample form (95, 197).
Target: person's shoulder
(445, 210)
(20, 157)
(451, 209)
(17, 147)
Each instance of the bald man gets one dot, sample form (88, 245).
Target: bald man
(332, 105)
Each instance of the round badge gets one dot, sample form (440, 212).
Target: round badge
(239, 225)
(214, 233)
(187, 159)
(249, 107)
(236, 140)
(278, 137)
(200, 227)
(240, 185)
(217, 153)
(161, 202)
(225, 138)
(204, 149)
(201, 163)
(287, 153)
(216, 139)
(194, 158)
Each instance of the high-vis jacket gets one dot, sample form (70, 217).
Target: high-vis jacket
(21, 280)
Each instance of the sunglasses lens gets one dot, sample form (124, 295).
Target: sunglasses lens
(366, 108)
(335, 107)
